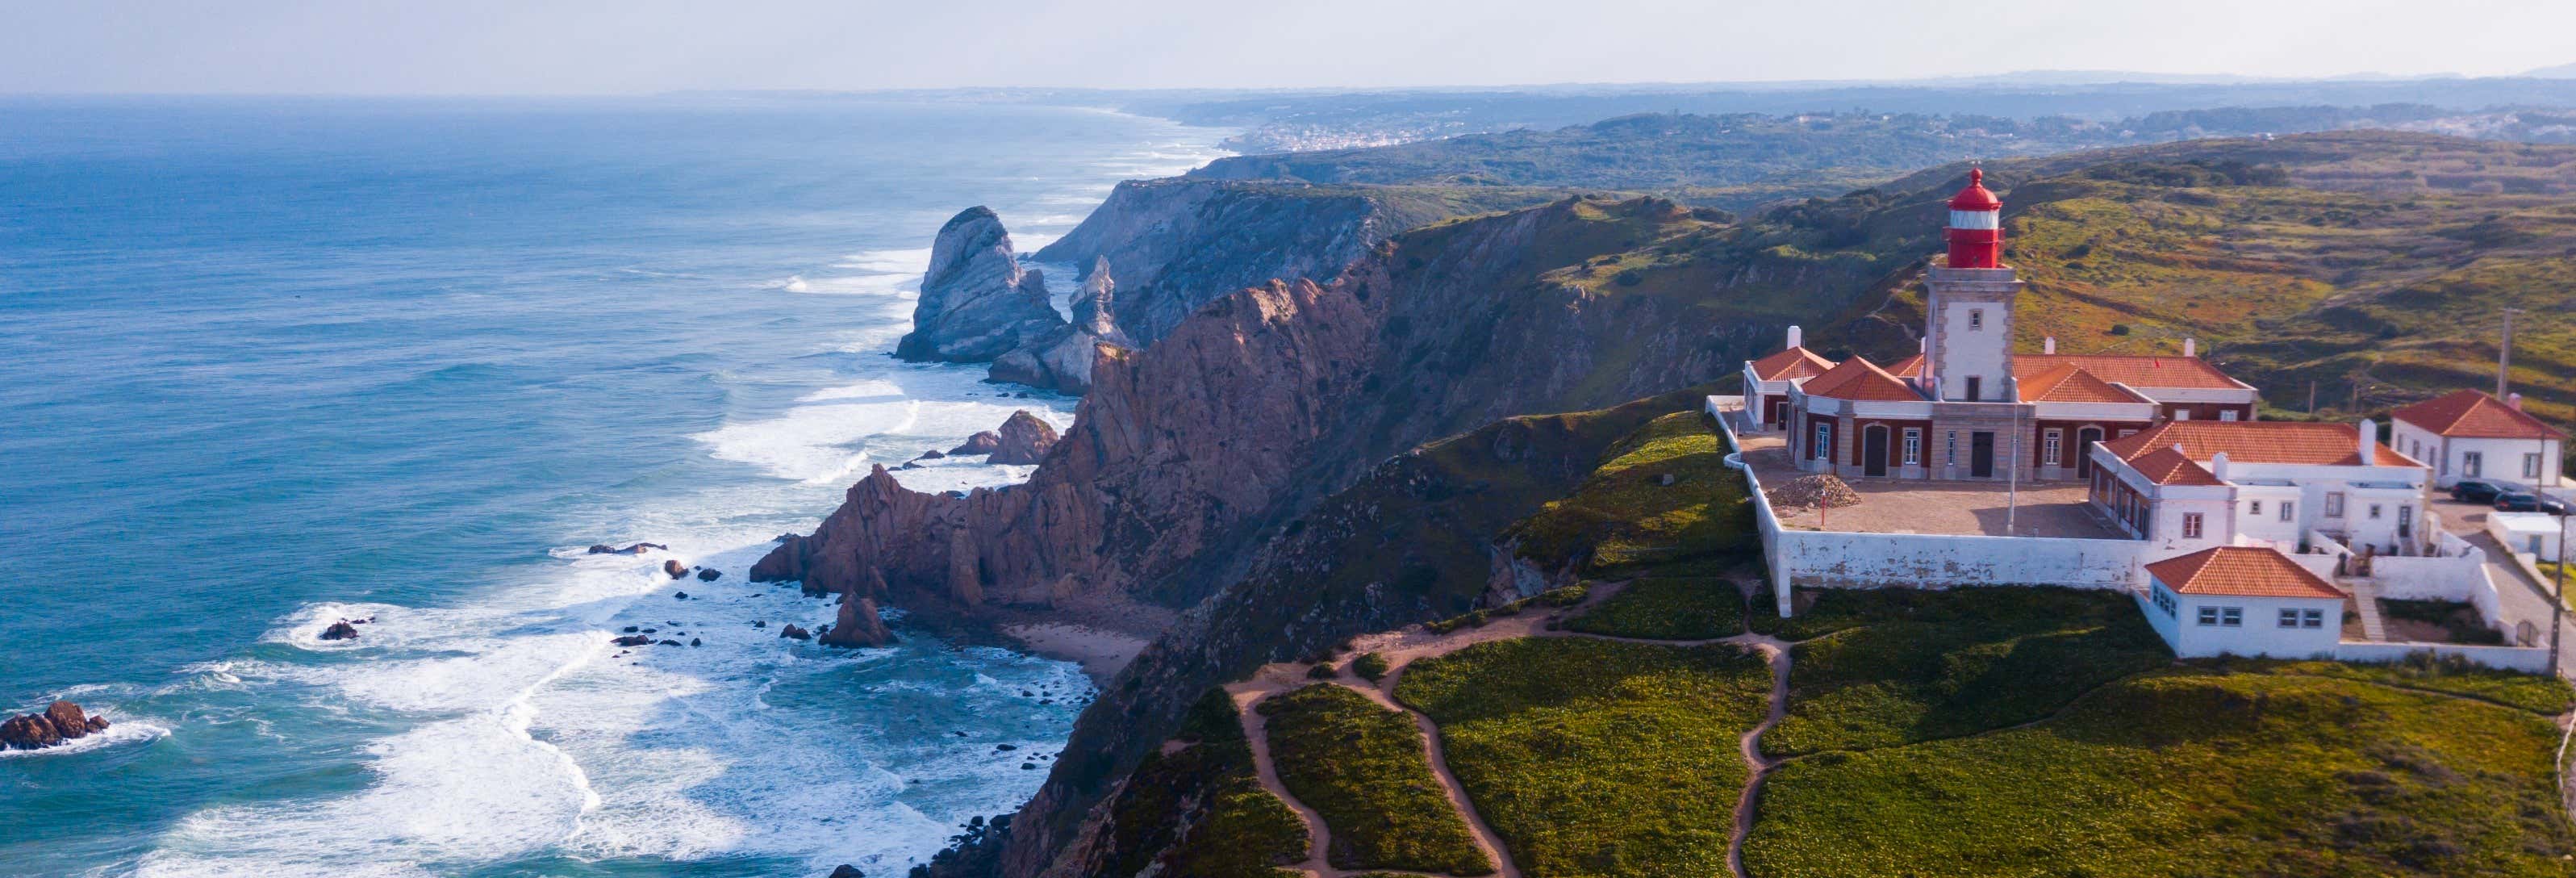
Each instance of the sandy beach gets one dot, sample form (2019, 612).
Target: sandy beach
(1101, 653)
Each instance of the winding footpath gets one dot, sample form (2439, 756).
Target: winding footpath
(1404, 647)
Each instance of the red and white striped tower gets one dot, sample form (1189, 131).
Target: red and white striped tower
(1976, 231)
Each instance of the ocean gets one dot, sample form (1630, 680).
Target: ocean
(278, 362)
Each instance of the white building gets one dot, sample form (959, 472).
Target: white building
(2465, 434)
(2245, 601)
(2191, 484)
(2529, 533)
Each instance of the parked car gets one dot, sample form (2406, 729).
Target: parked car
(2525, 501)
(2476, 491)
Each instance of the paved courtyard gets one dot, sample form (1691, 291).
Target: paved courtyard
(2045, 509)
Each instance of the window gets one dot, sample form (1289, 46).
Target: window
(2303, 618)
(2473, 463)
(2182, 414)
(2191, 525)
(1976, 320)
(1973, 387)
(2254, 507)
(1950, 453)
(1913, 446)
(2223, 617)
(1824, 439)
(2531, 466)
(2374, 512)
(2334, 504)
(2209, 615)
(2164, 600)
(2050, 443)
(2227, 415)
(2289, 511)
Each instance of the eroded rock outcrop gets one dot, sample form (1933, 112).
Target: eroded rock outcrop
(59, 723)
(977, 302)
(1062, 360)
(859, 624)
(1023, 439)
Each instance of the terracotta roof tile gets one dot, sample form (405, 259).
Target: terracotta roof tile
(1910, 367)
(1791, 364)
(2135, 370)
(2242, 571)
(1860, 379)
(2068, 382)
(2473, 415)
(2257, 442)
(2165, 466)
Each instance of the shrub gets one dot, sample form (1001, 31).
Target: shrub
(1322, 671)
(1367, 771)
(1693, 608)
(1370, 666)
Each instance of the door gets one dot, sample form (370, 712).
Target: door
(1873, 450)
(2084, 440)
(2406, 523)
(1981, 455)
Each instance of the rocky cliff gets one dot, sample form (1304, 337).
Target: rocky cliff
(1177, 244)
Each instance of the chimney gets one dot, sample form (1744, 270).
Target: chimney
(2218, 465)
(1796, 337)
(2191, 347)
(2367, 441)
(2514, 400)
(2049, 345)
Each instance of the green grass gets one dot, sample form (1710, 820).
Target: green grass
(1365, 769)
(1907, 665)
(1597, 758)
(2188, 772)
(2537, 693)
(1694, 608)
(2458, 622)
(1624, 516)
(1201, 810)
(1370, 666)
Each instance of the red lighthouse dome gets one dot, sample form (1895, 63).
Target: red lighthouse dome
(1976, 232)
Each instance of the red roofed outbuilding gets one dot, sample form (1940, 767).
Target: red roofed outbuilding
(2466, 434)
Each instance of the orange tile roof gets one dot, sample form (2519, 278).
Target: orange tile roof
(1791, 364)
(2068, 382)
(2165, 466)
(2258, 442)
(2135, 370)
(2473, 415)
(1859, 379)
(1910, 367)
(2241, 571)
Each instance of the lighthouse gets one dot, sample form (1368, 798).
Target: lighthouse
(1976, 232)
(1968, 319)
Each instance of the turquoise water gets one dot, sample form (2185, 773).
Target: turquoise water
(277, 362)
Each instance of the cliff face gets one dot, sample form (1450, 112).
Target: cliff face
(976, 303)
(1177, 244)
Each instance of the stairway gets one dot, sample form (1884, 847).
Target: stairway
(2365, 599)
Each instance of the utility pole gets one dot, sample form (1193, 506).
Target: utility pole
(2504, 355)
(2312, 396)
(2012, 481)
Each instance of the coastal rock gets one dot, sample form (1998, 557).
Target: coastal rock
(1023, 439)
(1060, 361)
(846, 870)
(636, 549)
(675, 568)
(58, 723)
(97, 723)
(933, 454)
(68, 719)
(709, 574)
(859, 625)
(1095, 307)
(985, 442)
(633, 640)
(976, 302)
(340, 630)
(792, 631)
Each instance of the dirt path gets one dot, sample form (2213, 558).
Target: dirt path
(1404, 647)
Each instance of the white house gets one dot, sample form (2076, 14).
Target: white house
(2530, 533)
(2465, 434)
(2188, 484)
(2242, 600)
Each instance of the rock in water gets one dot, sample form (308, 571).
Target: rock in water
(675, 568)
(1024, 439)
(68, 719)
(709, 574)
(847, 871)
(795, 632)
(633, 640)
(61, 721)
(340, 630)
(985, 442)
(977, 302)
(859, 624)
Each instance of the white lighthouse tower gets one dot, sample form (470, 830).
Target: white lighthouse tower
(1968, 319)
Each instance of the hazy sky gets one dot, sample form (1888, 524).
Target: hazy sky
(636, 46)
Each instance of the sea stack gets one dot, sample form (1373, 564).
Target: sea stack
(977, 302)
(1024, 439)
(1062, 361)
(859, 624)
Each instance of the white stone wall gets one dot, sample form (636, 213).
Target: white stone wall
(1828, 559)
(2527, 659)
